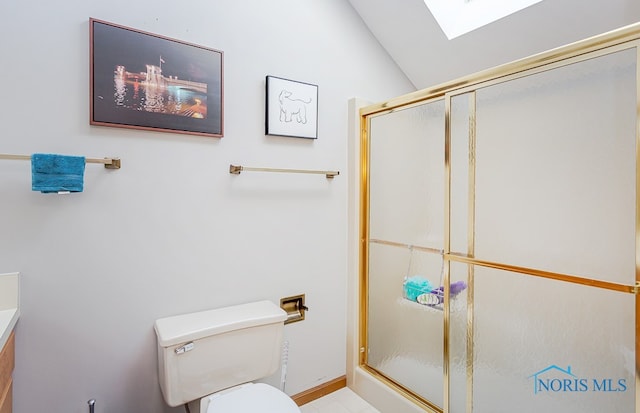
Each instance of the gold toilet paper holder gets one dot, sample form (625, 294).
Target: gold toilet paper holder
(294, 307)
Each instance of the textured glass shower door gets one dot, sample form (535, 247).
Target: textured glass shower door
(543, 204)
(406, 230)
(523, 189)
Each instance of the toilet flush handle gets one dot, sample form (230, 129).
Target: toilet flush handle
(184, 348)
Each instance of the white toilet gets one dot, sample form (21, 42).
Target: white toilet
(208, 359)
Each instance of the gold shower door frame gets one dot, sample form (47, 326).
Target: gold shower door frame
(622, 39)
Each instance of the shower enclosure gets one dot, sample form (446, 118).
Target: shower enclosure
(499, 221)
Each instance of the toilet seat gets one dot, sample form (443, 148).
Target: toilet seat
(250, 397)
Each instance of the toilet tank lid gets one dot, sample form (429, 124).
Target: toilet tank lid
(188, 327)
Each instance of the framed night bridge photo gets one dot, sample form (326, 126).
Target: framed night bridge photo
(145, 81)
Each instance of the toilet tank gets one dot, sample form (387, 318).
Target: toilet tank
(204, 352)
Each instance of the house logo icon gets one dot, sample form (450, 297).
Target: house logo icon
(554, 379)
(546, 380)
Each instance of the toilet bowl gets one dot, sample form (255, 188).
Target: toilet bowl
(249, 397)
(209, 359)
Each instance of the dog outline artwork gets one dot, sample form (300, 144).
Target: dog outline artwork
(291, 108)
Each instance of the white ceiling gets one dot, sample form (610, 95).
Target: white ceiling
(412, 37)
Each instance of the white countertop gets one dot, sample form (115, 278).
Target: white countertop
(8, 319)
(9, 305)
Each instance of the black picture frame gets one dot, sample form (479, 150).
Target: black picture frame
(291, 108)
(145, 81)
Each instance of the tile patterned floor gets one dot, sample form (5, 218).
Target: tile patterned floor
(340, 401)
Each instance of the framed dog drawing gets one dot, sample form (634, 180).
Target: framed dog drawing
(292, 108)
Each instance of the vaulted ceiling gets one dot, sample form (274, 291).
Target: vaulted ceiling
(413, 38)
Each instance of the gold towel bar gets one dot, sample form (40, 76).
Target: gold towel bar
(109, 163)
(236, 169)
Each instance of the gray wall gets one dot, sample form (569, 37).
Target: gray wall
(172, 231)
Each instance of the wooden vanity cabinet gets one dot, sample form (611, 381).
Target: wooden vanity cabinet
(7, 357)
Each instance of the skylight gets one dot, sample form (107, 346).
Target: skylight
(457, 17)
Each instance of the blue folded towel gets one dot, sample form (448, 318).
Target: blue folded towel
(57, 173)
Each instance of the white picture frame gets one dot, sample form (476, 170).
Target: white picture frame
(291, 108)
